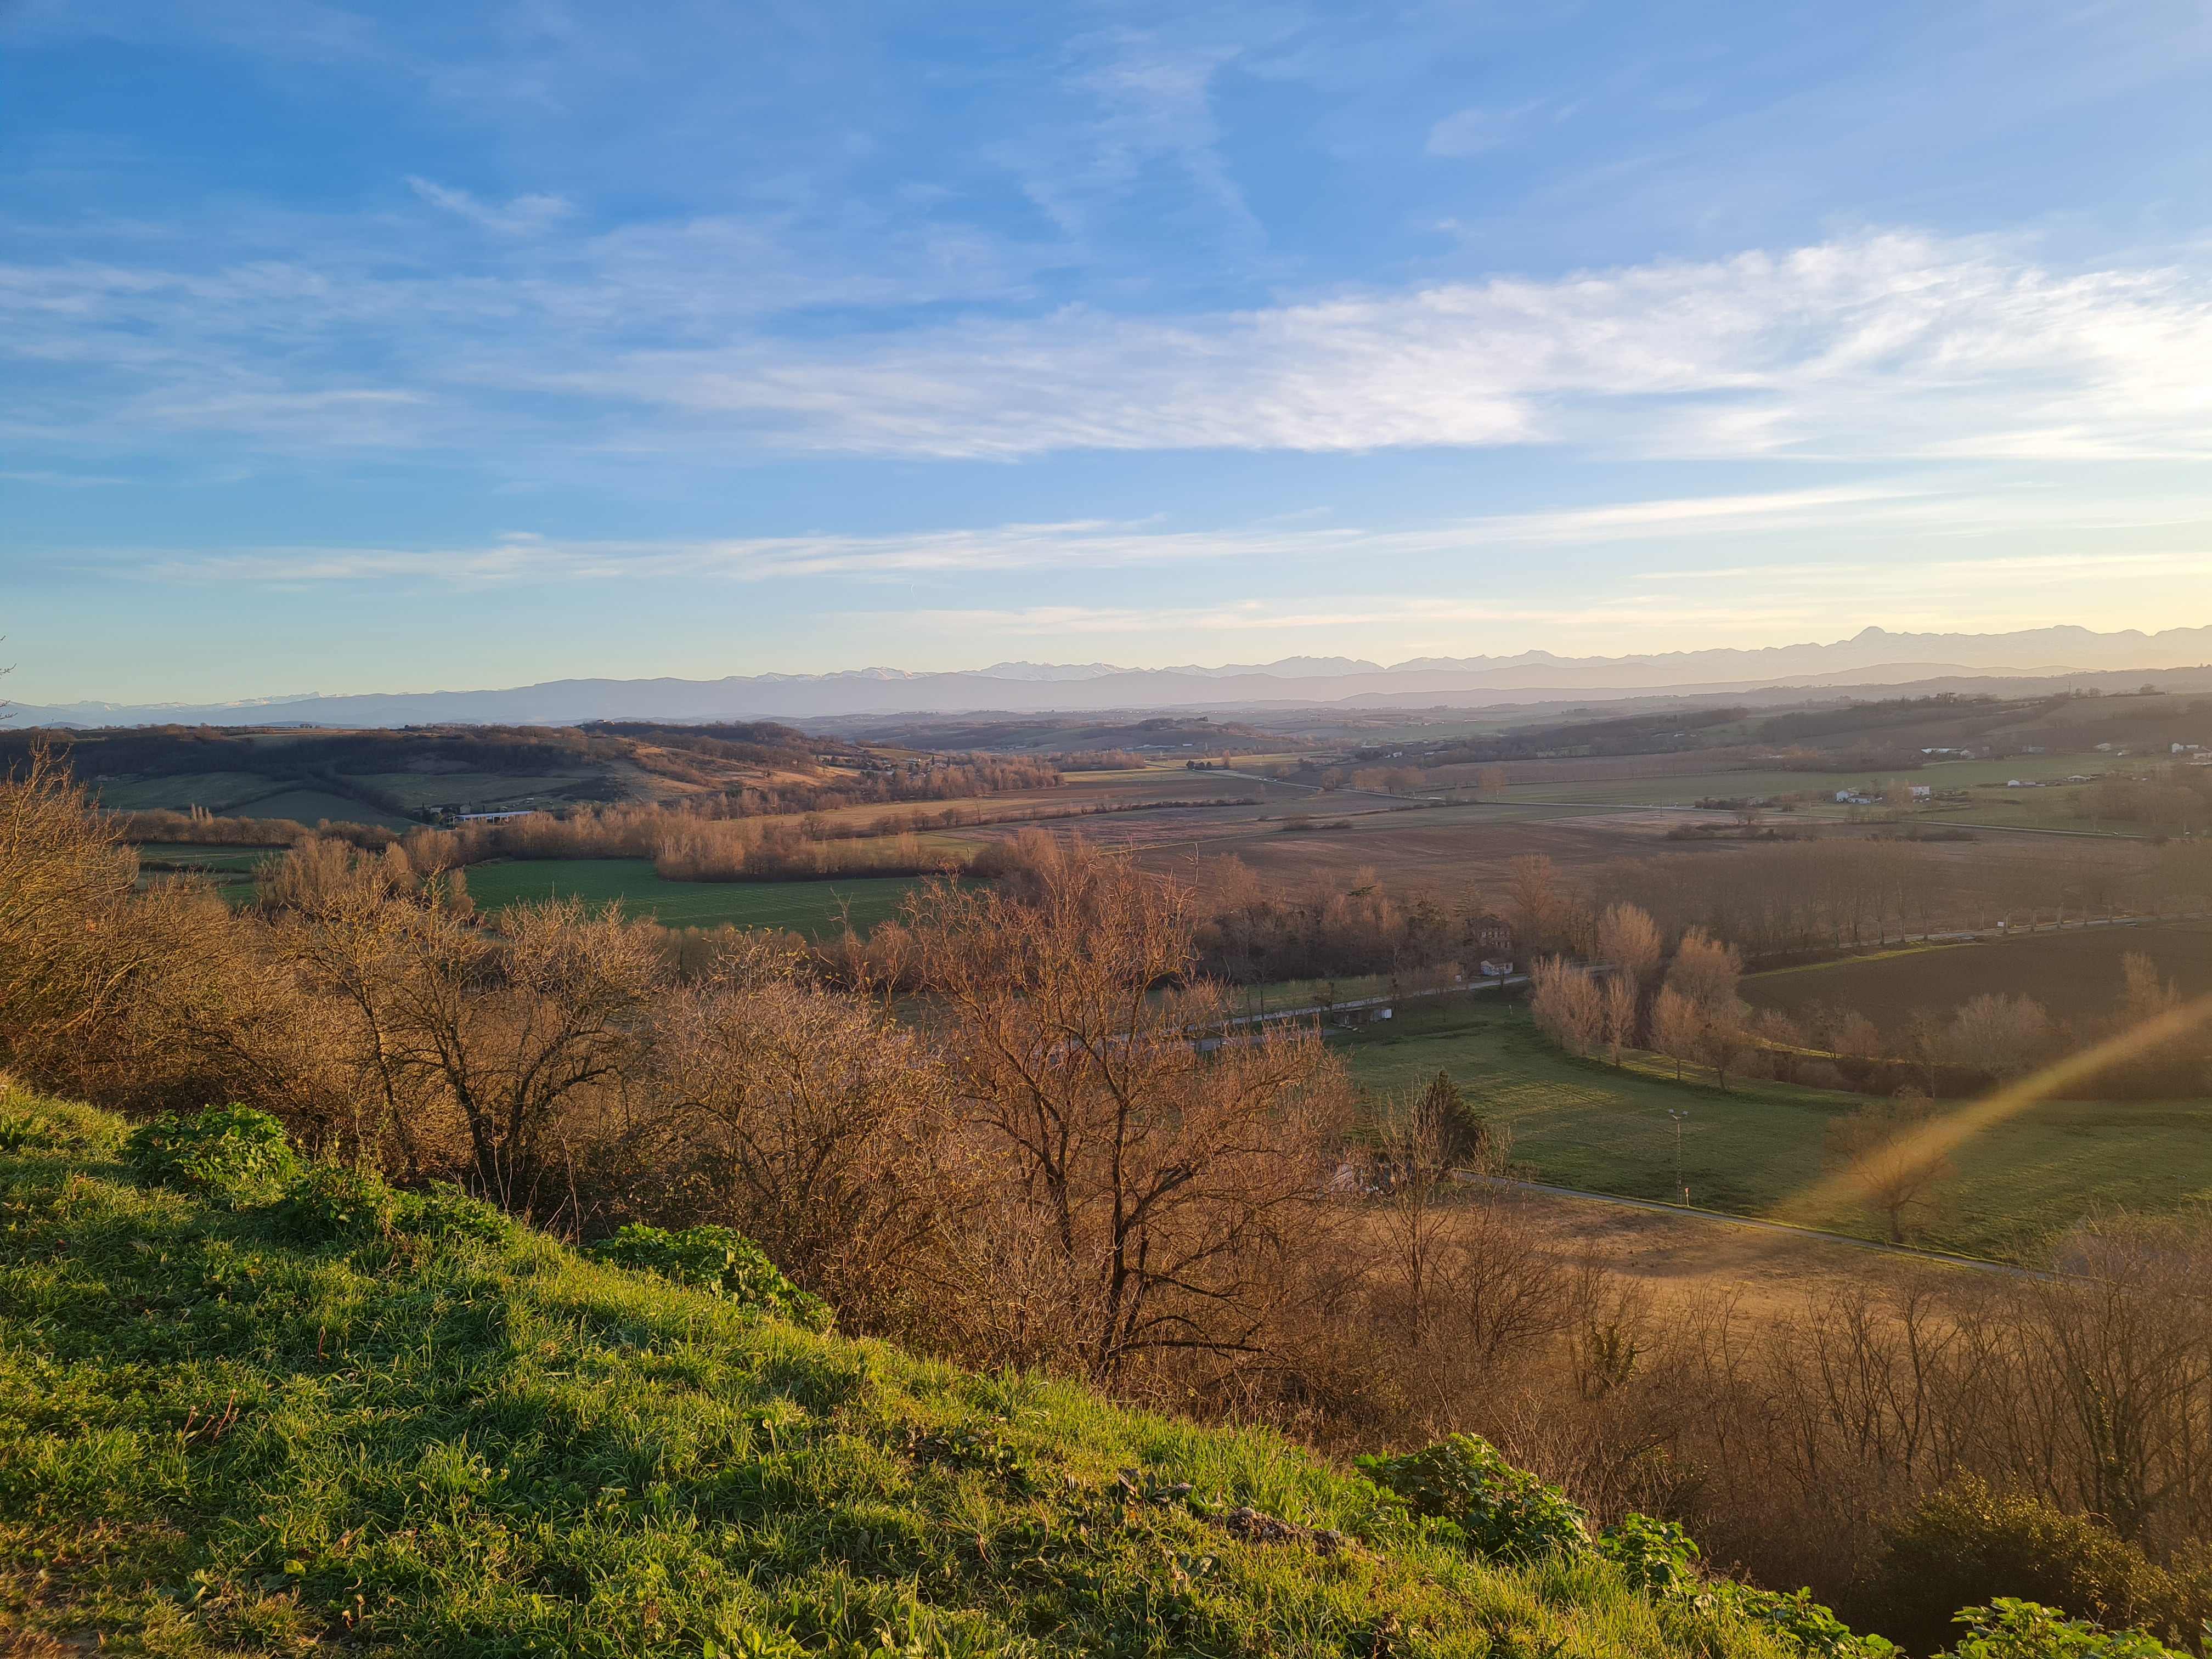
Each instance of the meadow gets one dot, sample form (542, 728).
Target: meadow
(812, 907)
(1756, 1149)
(218, 792)
(476, 792)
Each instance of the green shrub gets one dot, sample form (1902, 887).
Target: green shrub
(1798, 1619)
(330, 1202)
(718, 1262)
(444, 1211)
(1969, 1545)
(2011, 1629)
(232, 1154)
(1500, 1511)
(1657, 1557)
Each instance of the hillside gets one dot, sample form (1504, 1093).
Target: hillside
(397, 778)
(448, 1434)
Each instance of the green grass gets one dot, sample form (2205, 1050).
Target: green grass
(215, 860)
(311, 806)
(217, 1440)
(219, 792)
(1756, 1150)
(806, 907)
(473, 791)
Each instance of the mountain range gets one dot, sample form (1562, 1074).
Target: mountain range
(1872, 658)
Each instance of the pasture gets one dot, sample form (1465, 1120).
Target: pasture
(220, 792)
(2073, 972)
(812, 907)
(477, 791)
(1757, 1150)
(311, 806)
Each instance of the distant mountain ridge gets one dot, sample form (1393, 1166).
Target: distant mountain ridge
(1873, 657)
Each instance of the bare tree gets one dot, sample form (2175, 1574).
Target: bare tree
(1619, 1014)
(1705, 971)
(809, 1119)
(1883, 1151)
(66, 956)
(1161, 1154)
(1629, 939)
(515, 1027)
(1413, 1175)
(1565, 1001)
(1678, 1028)
(1539, 904)
(2003, 1036)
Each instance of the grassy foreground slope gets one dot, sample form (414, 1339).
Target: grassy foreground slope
(461, 1437)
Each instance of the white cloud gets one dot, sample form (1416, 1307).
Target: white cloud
(1862, 349)
(1909, 535)
(1886, 345)
(521, 216)
(1476, 132)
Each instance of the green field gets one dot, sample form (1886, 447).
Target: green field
(218, 792)
(470, 791)
(812, 907)
(311, 806)
(228, 860)
(1757, 1150)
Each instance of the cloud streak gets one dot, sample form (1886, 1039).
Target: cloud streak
(1864, 348)
(1847, 520)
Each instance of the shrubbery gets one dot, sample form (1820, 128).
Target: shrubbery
(1968, 1543)
(230, 1154)
(1500, 1511)
(718, 1262)
(330, 1202)
(2011, 1629)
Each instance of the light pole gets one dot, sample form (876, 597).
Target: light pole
(1681, 1118)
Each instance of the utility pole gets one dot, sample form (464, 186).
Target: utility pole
(1681, 1118)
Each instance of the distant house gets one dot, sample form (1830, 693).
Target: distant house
(1493, 935)
(1495, 969)
(1922, 791)
(494, 817)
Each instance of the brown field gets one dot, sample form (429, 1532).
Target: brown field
(1680, 1256)
(2075, 973)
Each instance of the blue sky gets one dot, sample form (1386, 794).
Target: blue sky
(415, 346)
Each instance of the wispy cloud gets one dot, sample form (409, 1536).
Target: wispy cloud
(1711, 534)
(520, 216)
(1877, 346)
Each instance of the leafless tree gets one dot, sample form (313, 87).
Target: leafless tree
(514, 1027)
(1158, 1153)
(1883, 1151)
